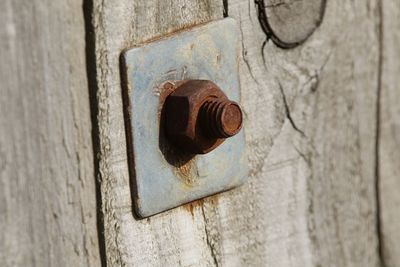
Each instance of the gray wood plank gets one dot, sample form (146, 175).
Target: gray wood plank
(310, 125)
(389, 134)
(47, 185)
(172, 238)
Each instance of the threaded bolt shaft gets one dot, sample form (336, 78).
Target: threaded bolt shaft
(221, 118)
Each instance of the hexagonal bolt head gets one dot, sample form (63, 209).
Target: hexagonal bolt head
(199, 116)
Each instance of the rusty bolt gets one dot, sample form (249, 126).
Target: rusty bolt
(199, 116)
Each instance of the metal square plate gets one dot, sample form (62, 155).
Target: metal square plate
(208, 52)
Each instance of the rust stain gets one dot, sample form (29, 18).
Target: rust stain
(192, 206)
(187, 173)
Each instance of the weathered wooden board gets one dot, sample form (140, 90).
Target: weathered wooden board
(311, 132)
(311, 128)
(47, 185)
(171, 238)
(389, 134)
(322, 124)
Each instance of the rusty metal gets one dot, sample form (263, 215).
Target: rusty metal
(221, 118)
(199, 116)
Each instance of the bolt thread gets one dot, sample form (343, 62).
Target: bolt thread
(212, 112)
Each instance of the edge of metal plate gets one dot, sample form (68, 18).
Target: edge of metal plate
(210, 52)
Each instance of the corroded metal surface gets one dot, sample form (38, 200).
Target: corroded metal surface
(162, 178)
(199, 116)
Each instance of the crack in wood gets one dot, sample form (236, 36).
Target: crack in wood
(287, 109)
(380, 30)
(208, 238)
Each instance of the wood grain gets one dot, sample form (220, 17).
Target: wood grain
(310, 125)
(389, 134)
(47, 185)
